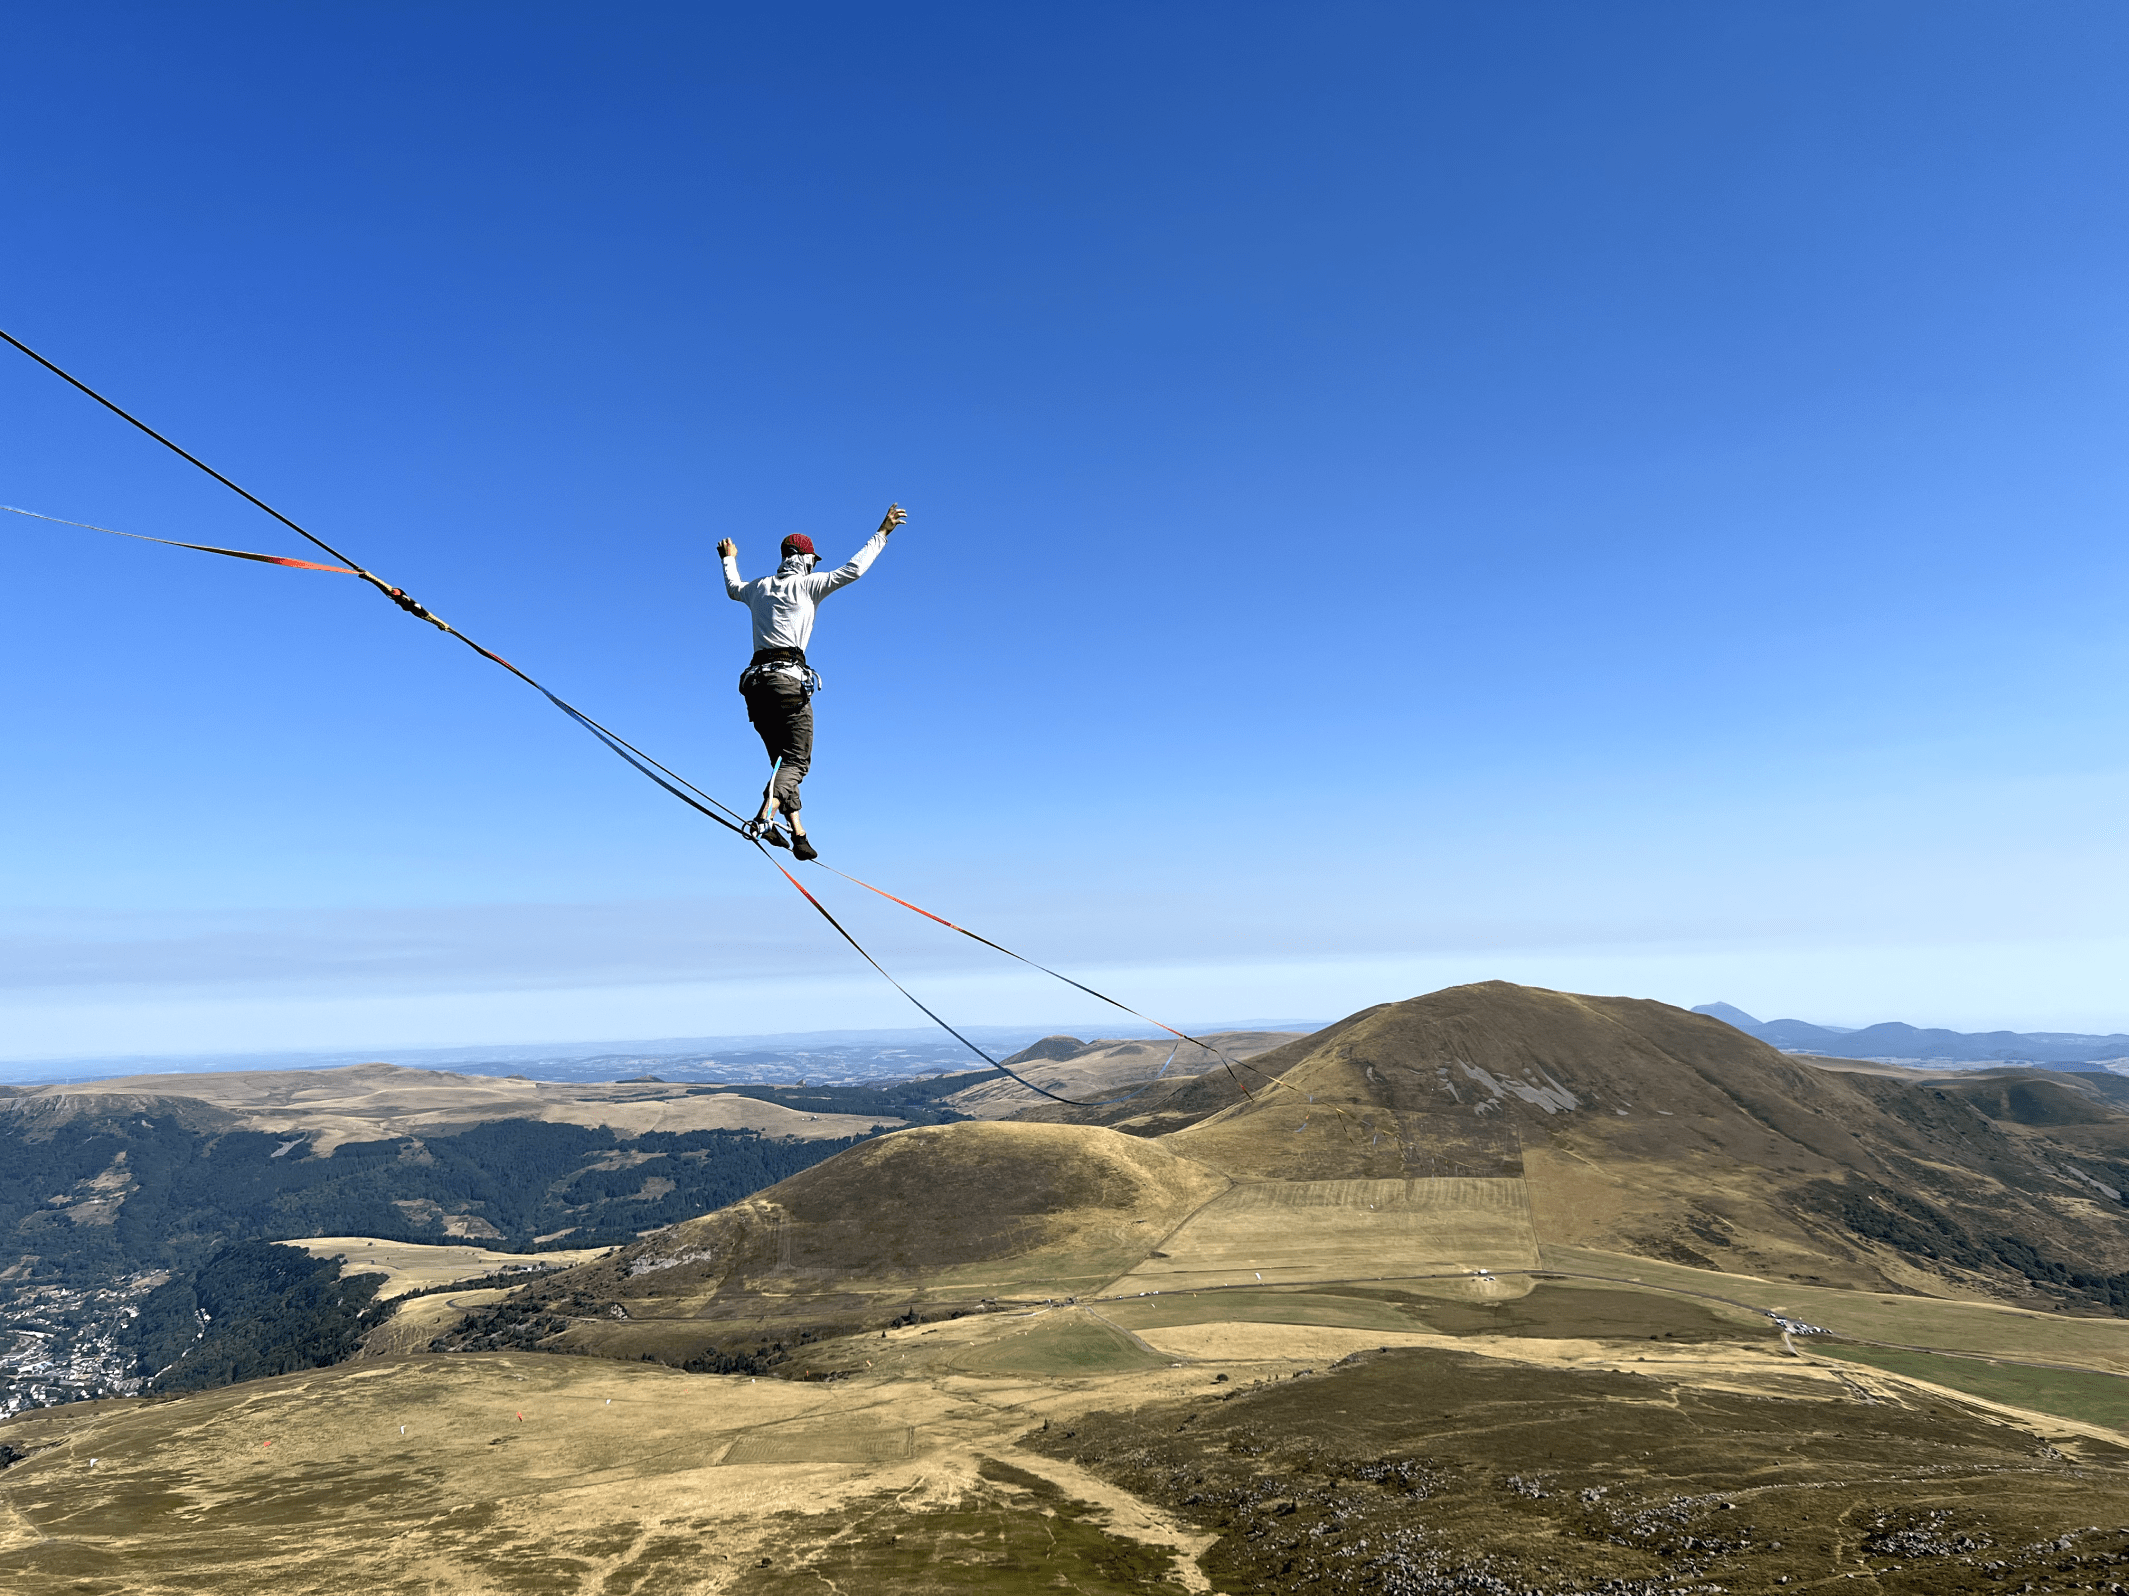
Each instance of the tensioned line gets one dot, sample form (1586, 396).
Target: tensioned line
(681, 788)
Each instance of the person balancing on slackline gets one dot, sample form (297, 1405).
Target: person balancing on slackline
(777, 684)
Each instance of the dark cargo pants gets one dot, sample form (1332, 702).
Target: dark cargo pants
(782, 711)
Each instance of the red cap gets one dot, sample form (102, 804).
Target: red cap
(798, 543)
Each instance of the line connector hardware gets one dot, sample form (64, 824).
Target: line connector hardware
(412, 606)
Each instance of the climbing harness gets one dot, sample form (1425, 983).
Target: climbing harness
(789, 663)
(679, 786)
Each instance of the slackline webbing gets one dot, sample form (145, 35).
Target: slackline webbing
(681, 788)
(1055, 975)
(173, 543)
(936, 1020)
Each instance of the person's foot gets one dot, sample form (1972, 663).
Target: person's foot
(774, 838)
(803, 848)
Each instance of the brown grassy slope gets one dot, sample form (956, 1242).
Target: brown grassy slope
(1645, 1128)
(38, 1111)
(939, 1213)
(1632, 1126)
(944, 1195)
(2030, 1097)
(1174, 1105)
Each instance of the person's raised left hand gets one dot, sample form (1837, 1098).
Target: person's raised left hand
(726, 548)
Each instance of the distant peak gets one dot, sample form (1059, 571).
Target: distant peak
(1729, 1014)
(1050, 1047)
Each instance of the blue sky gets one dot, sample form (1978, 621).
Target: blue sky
(1627, 498)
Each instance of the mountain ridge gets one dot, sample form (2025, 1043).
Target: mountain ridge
(1895, 1040)
(1481, 1127)
(1499, 1289)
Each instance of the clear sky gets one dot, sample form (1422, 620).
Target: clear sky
(1628, 498)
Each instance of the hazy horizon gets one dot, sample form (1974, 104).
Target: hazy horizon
(939, 1049)
(1009, 1037)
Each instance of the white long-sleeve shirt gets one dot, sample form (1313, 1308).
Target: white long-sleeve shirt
(782, 605)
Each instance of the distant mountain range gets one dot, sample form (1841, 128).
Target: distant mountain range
(844, 1057)
(1896, 1041)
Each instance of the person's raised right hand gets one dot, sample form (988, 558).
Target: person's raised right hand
(726, 548)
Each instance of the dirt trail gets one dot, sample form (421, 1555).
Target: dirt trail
(1128, 1515)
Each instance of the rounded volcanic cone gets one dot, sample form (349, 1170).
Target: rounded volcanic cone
(1634, 1127)
(928, 1206)
(1485, 1127)
(943, 1195)
(1455, 1082)
(1051, 1047)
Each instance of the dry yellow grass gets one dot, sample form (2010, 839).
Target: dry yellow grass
(972, 1209)
(1295, 1231)
(518, 1472)
(489, 1474)
(411, 1266)
(1932, 1322)
(421, 1321)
